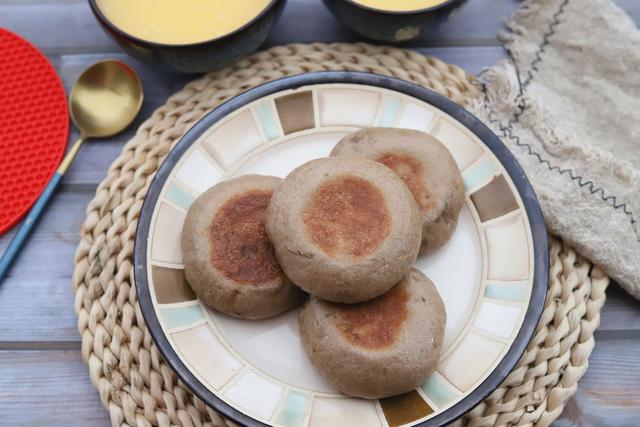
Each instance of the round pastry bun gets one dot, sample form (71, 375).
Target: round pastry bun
(228, 259)
(425, 165)
(344, 229)
(379, 348)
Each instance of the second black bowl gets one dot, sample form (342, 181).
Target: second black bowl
(392, 26)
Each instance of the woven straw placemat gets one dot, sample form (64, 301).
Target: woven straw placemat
(139, 388)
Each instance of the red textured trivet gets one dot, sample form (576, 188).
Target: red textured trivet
(34, 126)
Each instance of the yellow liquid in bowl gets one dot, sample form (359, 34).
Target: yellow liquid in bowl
(180, 21)
(399, 5)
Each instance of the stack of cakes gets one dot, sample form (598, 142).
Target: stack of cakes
(345, 230)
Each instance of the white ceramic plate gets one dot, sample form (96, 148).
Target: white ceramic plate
(491, 274)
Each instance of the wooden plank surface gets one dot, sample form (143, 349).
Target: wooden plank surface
(48, 388)
(36, 299)
(608, 393)
(43, 380)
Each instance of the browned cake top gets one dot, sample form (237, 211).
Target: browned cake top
(374, 324)
(411, 171)
(347, 216)
(240, 248)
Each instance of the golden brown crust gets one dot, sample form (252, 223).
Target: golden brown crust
(360, 367)
(426, 167)
(334, 273)
(373, 324)
(411, 171)
(240, 248)
(229, 262)
(347, 215)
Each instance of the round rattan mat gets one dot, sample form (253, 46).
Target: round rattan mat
(139, 388)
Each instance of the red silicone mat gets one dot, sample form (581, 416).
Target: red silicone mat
(34, 126)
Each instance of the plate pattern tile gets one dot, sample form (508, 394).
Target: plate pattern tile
(216, 366)
(318, 116)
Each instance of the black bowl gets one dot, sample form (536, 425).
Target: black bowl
(197, 57)
(390, 26)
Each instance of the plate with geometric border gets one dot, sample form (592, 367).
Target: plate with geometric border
(492, 274)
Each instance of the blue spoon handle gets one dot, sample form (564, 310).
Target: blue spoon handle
(26, 226)
(36, 211)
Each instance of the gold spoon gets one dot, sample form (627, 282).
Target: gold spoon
(105, 99)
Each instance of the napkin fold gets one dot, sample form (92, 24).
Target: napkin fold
(567, 104)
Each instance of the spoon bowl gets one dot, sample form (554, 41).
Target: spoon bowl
(105, 99)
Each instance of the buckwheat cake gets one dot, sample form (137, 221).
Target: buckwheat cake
(344, 229)
(379, 348)
(228, 259)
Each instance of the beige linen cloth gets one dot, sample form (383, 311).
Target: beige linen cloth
(567, 104)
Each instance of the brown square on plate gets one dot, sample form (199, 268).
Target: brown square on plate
(494, 199)
(296, 112)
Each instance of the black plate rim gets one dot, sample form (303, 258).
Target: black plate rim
(522, 184)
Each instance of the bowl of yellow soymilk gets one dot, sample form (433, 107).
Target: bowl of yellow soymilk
(189, 35)
(393, 21)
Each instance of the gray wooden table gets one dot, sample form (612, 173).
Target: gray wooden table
(43, 380)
